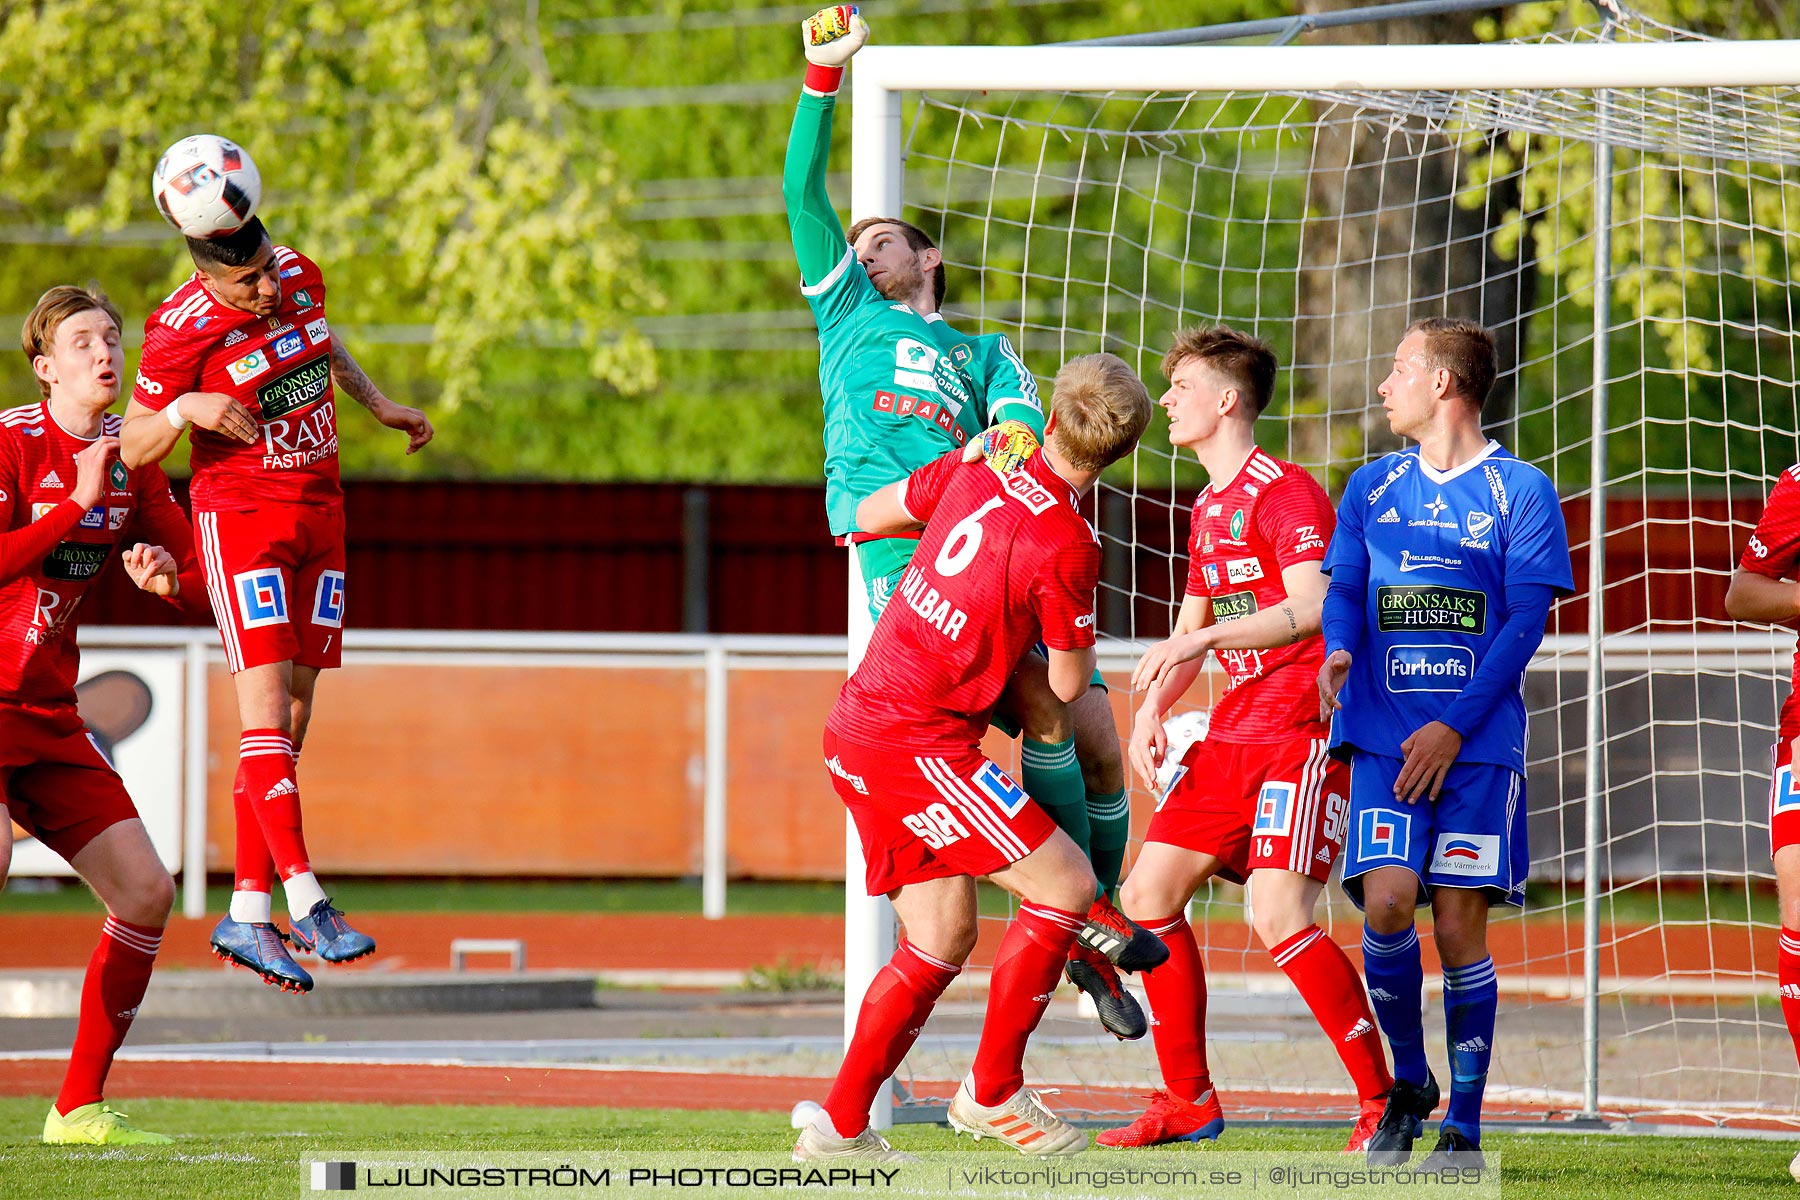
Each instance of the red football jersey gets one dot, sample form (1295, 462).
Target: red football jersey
(1271, 516)
(1774, 551)
(51, 551)
(278, 367)
(1003, 563)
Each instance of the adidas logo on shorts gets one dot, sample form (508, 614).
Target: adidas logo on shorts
(1323, 855)
(1390, 517)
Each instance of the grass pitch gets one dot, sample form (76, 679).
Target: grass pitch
(246, 1151)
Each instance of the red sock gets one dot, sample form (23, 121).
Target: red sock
(1332, 989)
(893, 1012)
(266, 765)
(1026, 967)
(1787, 974)
(117, 975)
(254, 865)
(1177, 994)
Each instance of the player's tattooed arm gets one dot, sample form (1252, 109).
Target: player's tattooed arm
(355, 383)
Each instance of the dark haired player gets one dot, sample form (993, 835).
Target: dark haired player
(243, 353)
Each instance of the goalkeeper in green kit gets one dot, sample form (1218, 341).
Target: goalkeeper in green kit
(900, 388)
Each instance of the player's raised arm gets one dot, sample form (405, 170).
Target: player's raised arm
(830, 37)
(355, 383)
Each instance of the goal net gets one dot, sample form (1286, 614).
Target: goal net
(1632, 235)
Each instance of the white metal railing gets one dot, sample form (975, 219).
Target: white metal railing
(716, 657)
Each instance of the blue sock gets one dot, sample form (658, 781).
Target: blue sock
(1397, 992)
(1471, 994)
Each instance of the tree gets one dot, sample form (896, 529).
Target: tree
(423, 153)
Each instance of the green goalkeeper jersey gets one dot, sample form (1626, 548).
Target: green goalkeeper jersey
(899, 389)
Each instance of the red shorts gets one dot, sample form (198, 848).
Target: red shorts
(925, 817)
(54, 782)
(276, 579)
(1784, 800)
(1282, 805)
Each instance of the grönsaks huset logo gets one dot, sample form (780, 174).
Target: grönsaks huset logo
(334, 1177)
(1425, 606)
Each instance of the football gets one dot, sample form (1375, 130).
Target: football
(206, 186)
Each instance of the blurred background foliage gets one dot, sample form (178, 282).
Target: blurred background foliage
(555, 225)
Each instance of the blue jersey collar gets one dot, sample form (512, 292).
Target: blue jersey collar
(1440, 477)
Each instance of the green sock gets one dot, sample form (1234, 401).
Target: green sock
(1053, 779)
(1109, 828)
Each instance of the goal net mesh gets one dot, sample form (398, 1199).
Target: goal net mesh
(1325, 223)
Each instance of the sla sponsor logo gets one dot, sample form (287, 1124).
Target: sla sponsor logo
(936, 826)
(1243, 570)
(1408, 606)
(1410, 562)
(1233, 606)
(248, 367)
(1429, 668)
(1467, 854)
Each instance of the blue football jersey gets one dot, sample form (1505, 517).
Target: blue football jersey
(1441, 549)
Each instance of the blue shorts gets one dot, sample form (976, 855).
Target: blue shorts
(1472, 836)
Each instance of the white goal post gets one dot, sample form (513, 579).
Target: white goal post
(883, 77)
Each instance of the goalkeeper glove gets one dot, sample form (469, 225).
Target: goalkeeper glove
(830, 37)
(1008, 446)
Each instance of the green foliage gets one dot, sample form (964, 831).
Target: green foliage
(425, 154)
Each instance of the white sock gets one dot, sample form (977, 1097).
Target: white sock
(250, 907)
(302, 892)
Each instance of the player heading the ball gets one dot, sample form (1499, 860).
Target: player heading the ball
(244, 354)
(1445, 562)
(1258, 799)
(1003, 561)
